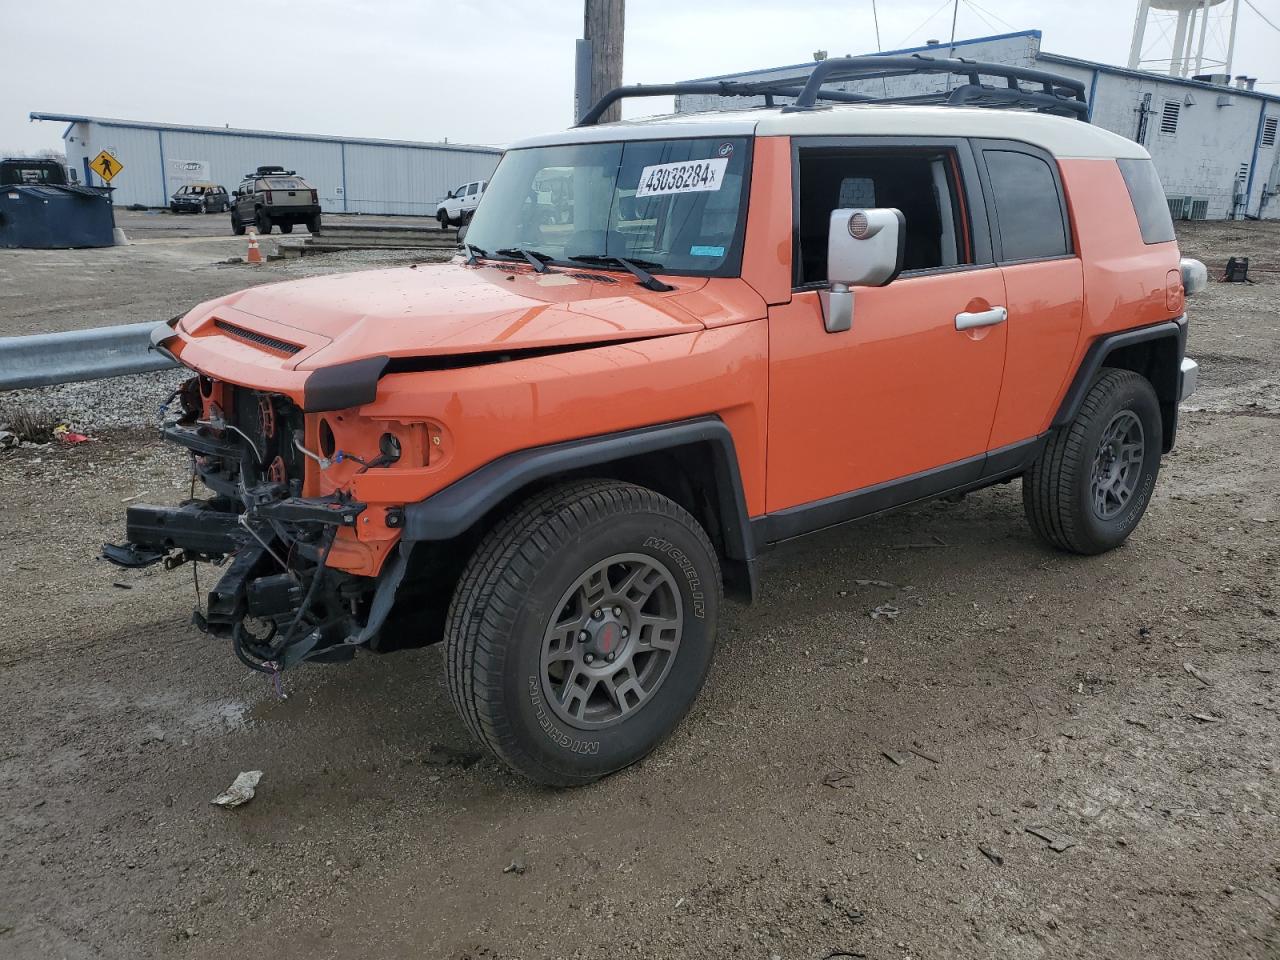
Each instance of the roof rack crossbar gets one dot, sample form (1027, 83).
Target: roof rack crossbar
(1056, 93)
(715, 88)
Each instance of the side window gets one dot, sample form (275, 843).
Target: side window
(1149, 202)
(923, 184)
(1029, 212)
(471, 189)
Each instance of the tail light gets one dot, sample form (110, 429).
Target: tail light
(268, 196)
(314, 198)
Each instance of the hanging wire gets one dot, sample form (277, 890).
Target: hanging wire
(992, 14)
(978, 13)
(1251, 6)
(945, 4)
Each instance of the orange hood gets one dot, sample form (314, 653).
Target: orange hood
(442, 309)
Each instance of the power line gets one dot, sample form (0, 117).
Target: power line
(978, 13)
(875, 18)
(1262, 15)
(945, 4)
(991, 14)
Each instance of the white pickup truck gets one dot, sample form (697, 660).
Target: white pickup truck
(459, 204)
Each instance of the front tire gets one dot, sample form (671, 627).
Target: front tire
(1091, 485)
(237, 226)
(442, 216)
(286, 227)
(582, 630)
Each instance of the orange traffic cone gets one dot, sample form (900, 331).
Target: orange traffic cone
(255, 255)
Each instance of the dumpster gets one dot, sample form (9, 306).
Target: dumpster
(40, 210)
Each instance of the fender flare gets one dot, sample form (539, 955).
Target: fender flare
(1100, 349)
(455, 509)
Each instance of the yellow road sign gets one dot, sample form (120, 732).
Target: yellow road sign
(106, 166)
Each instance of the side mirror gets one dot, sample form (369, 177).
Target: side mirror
(864, 249)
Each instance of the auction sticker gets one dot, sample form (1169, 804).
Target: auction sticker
(690, 176)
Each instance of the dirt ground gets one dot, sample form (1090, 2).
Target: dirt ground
(831, 795)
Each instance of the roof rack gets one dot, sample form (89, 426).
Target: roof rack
(1047, 92)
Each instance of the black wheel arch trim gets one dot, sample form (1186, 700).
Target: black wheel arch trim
(455, 509)
(1095, 359)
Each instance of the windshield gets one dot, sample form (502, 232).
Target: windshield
(674, 206)
(284, 183)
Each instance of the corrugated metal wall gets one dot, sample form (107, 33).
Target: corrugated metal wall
(355, 176)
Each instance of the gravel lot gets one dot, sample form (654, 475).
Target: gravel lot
(832, 794)
(173, 261)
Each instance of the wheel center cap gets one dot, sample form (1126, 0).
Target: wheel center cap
(607, 637)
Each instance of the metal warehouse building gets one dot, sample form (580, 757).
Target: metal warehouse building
(1214, 144)
(350, 174)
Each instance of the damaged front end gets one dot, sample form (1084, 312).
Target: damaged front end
(276, 600)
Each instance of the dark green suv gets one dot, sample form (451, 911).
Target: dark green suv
(274, 197)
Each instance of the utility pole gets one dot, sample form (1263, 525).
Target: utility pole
(603, 24)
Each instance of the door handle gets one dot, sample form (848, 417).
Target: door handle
(983, 318)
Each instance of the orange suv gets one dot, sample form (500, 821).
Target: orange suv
(664, 347)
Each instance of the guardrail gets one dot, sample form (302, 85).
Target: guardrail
(49, 358)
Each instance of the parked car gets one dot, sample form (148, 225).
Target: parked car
(556, 452)
(275, 197)
(29, 171)
(459, 204)
(200, 198)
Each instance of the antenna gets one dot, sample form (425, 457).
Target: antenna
(1189, 37)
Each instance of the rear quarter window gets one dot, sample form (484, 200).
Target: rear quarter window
(1149, 201)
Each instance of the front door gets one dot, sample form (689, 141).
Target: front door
(901, 405)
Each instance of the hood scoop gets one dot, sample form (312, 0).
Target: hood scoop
(256, 338)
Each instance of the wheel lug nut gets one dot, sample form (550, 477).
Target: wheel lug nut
(609, 658)
(597, 614)
(583, 636)
(625, 633)
(588, 658)
(617, 611)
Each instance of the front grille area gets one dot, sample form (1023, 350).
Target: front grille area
(269, 423)
(258, 339)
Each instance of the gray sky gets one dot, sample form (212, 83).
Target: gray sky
(483, 71)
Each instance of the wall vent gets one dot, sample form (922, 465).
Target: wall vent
(1169, 116)
(1269, 131)
(1176, 206)
(1199, 210)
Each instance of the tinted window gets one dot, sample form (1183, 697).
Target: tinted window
(284, 183)
(1028, 206)
(1149, 201)
(471, 189)
(921, 184)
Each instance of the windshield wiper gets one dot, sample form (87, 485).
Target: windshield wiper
(537, 259)
(473, 253)
(635, 267)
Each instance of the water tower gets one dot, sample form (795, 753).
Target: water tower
(1189, 37)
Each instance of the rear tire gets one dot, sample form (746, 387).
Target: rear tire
(263, 222)
(582, 629)
(313, 225)
(286, 228)
(1091, 484)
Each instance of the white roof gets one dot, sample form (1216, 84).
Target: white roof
(1061, 136)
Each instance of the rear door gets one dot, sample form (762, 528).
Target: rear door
(1044, 282)
(901, 405)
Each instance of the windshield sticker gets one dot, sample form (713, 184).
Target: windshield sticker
(697, 251)
(691, 176)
